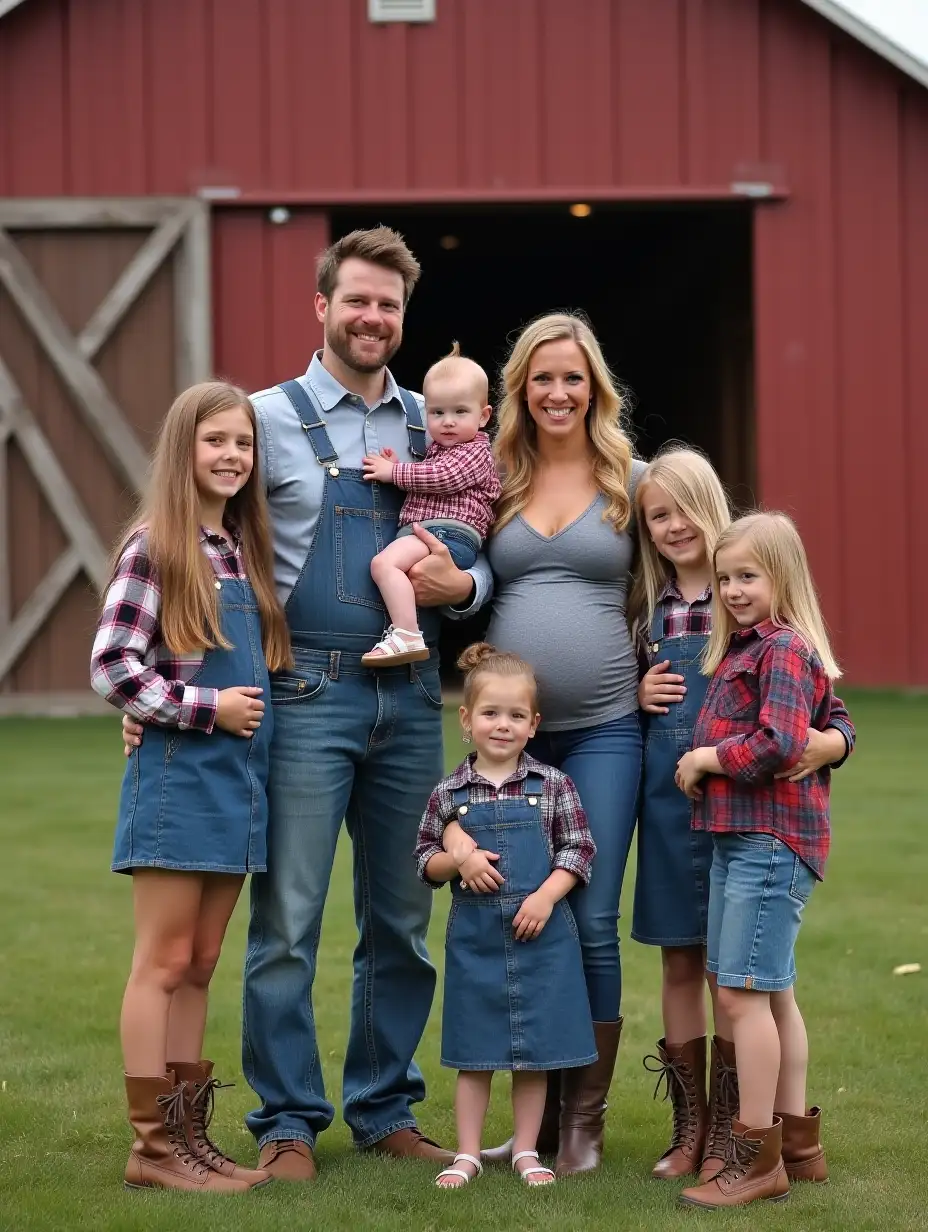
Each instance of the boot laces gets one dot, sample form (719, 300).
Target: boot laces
(202, 1106)
(724, 1106)
(678, 1088)
(740, 1154)
(173, 1105)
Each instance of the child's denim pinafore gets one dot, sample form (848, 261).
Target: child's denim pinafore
(194, 801)
(672, 881)
(508, 1004)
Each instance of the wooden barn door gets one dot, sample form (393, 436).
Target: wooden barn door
(104, 317)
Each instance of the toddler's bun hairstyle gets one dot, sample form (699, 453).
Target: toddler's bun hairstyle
(481, 659)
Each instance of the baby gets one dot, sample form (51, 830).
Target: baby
(451, 494)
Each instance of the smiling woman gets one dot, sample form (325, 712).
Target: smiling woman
(561, 553)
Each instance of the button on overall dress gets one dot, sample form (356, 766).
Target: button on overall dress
(672, 882)
(197, 801)
(509, 1004)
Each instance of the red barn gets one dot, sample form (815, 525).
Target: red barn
(736, 191)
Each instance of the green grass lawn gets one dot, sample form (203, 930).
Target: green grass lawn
(66, 941)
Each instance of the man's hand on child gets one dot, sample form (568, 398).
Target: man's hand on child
(478, 874)
(532, 916)
(379, 466)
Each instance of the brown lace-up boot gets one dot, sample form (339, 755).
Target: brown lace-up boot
(199, 1089)
(753, 1171)
(547, 1143)
(683, 1069)
(583, 1104)
(803, 1153)
(723, 1106)
(160, 1157)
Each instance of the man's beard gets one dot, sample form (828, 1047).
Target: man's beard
(340, 344)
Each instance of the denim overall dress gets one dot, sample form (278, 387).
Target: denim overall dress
(672, 881)
(512, 1005)
(194, 801)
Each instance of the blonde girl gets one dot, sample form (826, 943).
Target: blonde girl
(771, 669)
(511, 836)
(190, 625)
(561, 551)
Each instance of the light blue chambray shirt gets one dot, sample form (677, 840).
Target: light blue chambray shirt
(295, 481)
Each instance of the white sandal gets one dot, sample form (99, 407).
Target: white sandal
(466, 1177)
(524, 1175)
(397, 646)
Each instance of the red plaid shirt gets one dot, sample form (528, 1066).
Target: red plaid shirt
(765, 695)
(130, 666)
(452, 481)
(566, 830)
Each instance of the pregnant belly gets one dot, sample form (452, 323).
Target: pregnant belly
(582, 658)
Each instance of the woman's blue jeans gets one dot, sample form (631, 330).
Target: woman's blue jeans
(605, 764)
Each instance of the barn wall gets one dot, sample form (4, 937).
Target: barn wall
(281, 98)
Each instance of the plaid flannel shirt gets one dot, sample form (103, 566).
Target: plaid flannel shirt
(130, 666)
(765, 695)
(563, 821)
(452, 481)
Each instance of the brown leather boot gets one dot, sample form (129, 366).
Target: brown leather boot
(199, 1089)
(723, 1106)
(583, 1104)
(548, 1133)
(753, 1171)
(160, 1157)
(803, 1153)
(683, 1068)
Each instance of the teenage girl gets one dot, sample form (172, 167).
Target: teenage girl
(190, 625)
(682, 509)
(771, 669)
(511, 836)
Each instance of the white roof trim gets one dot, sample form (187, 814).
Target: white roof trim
(835, 12)
(866, 34)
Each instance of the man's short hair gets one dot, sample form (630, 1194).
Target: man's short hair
(380, 245)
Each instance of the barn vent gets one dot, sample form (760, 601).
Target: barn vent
(401, 10)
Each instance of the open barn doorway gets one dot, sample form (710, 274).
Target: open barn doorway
(666, 288)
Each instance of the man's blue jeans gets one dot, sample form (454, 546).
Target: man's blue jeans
(364, 746)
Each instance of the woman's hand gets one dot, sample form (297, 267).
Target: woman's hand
(131, 734)
(824, 748)
(437, 580)
(689, 772)
(660, 688)
(478, 873)
(532, 916)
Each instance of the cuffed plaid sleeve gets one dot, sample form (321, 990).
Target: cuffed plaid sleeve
(841, 721)
(574, 848)
(787, 689)
(126, 633)
(431, 828)
(456, 469)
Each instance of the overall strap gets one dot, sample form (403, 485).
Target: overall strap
(657, 624)
(460, 796)
(309, 415)
(414, 429)
(534, 785)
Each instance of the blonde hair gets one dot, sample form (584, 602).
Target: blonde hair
(690, 480)
(169, 513)
(481, 659)
(774, 541)
(516, 446)
(380, 246)
(454, 364)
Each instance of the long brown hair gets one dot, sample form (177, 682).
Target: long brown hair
(516, 446)
(169, 514)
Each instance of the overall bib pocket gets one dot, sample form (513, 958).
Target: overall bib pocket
(360, 534)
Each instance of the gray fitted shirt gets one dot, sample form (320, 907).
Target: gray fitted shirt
(294, 479)
(560, 605)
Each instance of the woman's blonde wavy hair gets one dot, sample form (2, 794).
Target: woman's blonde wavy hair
(774, 542)
(516, 445)
(690, 479)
